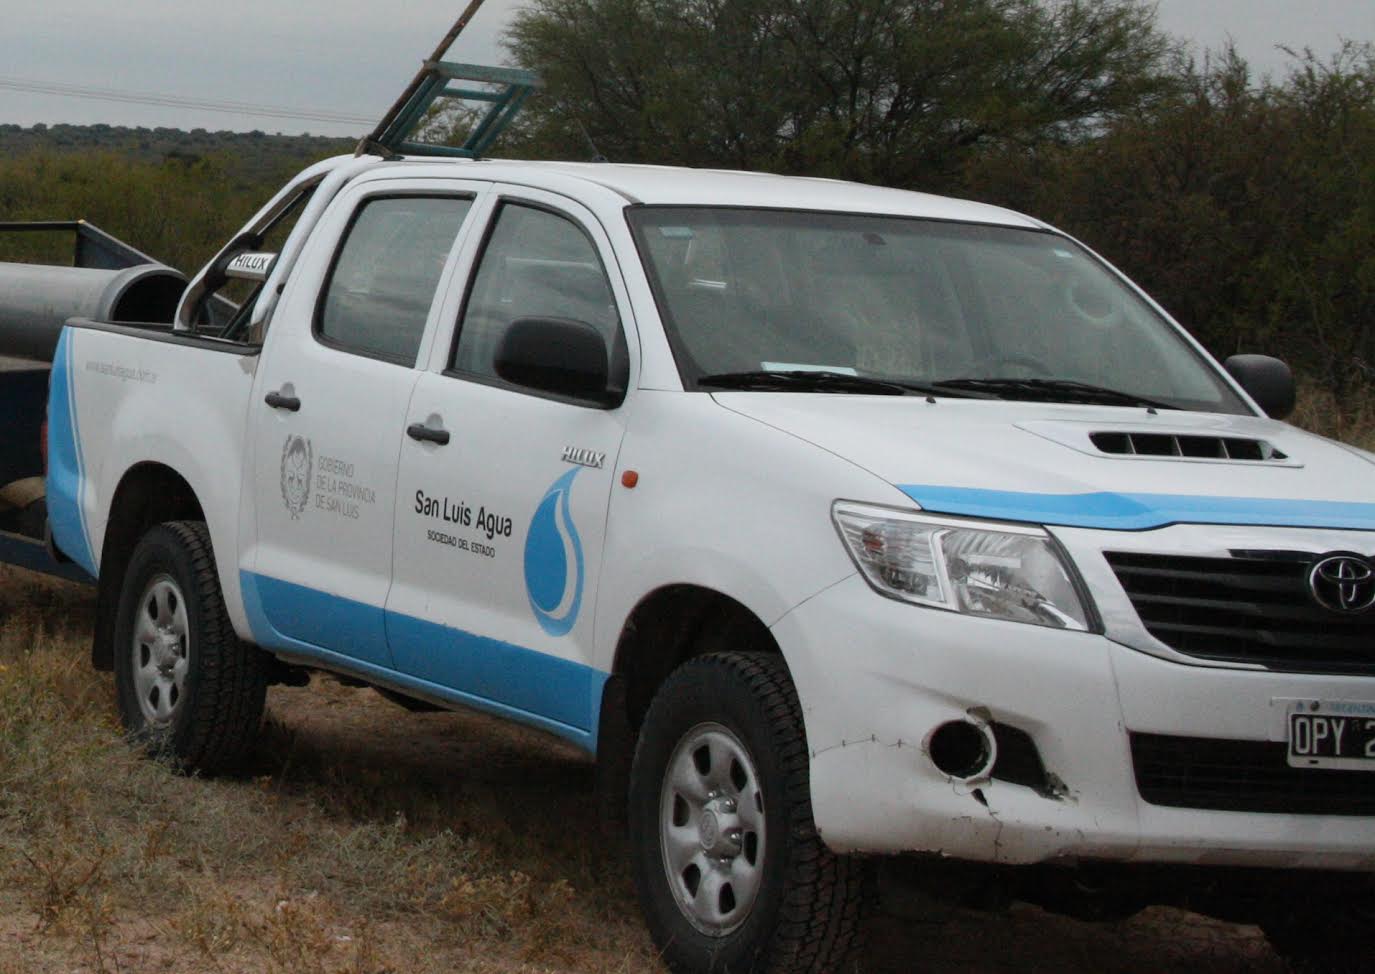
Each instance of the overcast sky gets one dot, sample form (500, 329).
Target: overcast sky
(351, 57)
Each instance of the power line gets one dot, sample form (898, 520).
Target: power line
(176, 101)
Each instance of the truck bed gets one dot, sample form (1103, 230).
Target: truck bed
(106, 278)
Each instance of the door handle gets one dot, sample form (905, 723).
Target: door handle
(278, 401)
(427, 434)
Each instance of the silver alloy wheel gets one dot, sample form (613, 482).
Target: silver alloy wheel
(161, 644)
(711, 829)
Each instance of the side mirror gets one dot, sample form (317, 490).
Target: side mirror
(560, 356)
(1266, 380)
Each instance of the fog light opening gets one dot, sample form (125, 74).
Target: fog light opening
(961, 749)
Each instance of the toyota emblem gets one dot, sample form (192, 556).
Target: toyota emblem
(1343, 583)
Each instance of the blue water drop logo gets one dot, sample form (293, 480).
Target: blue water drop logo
(553, 560)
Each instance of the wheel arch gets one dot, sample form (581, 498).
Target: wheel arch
(148, 494)
(674, 623)
(666, 628)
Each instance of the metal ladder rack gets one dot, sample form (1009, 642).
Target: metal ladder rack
(503, 90)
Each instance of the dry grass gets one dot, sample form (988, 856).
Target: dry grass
(109, 862)
(373, 841)
(1318, 412)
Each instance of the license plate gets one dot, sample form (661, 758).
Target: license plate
(1331, 734)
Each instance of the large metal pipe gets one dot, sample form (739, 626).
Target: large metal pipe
(37, 299)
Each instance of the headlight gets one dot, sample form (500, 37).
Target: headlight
(1004, 571)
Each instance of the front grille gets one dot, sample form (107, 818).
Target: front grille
(1251, 608)
(1243, 776)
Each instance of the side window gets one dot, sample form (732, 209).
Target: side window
(236, 299)
(535, 264)
(383, 281)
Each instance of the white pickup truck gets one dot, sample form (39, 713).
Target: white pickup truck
(835, 521)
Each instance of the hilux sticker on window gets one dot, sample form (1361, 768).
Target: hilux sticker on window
(553, 560)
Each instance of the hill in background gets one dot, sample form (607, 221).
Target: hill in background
(253, 156)
(173, 194)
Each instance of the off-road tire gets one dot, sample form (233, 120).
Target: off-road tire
(808, 911)
(219, 715)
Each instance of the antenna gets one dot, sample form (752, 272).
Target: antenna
(597, 154)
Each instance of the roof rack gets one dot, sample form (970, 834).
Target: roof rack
(502, 90)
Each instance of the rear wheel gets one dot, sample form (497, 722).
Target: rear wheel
(730, 871)
(187, 687)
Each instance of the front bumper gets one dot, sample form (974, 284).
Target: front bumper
(875, 677)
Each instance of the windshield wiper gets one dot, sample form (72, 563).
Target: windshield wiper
(804, 380)
(809, 380)
(1052, 390)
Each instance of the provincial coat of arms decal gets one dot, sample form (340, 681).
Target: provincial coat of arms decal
(297, 460)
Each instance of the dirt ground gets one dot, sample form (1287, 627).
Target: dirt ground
(526, 774)
(534, 791)
(366, 839)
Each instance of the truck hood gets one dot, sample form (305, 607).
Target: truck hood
(1048, 463)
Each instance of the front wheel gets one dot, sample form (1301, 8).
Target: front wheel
(188, 688)
(730, 871)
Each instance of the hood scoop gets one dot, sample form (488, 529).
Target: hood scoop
(1205, 442)
(1185, 446)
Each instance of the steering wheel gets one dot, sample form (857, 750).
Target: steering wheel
(1073, 295)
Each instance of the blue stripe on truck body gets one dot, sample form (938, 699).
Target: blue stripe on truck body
(65, 480)
(1140, 512)
(465, 670)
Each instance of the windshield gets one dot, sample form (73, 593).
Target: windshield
(914, 302)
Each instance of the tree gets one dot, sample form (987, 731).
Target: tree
(899, 92)
(1247, 209)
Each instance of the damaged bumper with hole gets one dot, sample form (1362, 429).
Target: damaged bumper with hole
(1069, 716)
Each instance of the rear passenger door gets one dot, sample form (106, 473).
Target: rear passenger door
(499, 530)
(336, 376)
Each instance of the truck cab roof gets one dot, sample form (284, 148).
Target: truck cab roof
(680, 186)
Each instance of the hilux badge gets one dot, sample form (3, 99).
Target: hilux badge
(1343, 583)
(583, 457)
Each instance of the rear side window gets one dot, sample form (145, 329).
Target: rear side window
(384, 277)
(536, 264)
